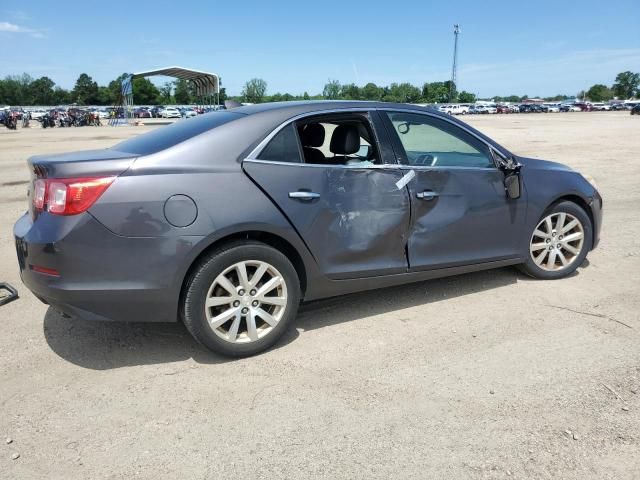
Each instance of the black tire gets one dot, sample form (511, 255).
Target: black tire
(530, 268)
(204, 274)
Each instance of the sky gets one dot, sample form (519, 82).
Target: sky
(539, 48)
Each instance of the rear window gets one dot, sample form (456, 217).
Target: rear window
(283, 147)
(182, 130)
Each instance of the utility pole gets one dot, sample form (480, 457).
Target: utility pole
(454, 69)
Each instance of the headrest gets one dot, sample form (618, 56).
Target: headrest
(345, 140)
(312, 135)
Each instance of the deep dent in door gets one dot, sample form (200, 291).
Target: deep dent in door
(365, 220)
(358, 227)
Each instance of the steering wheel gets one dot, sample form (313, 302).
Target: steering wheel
(426, 159)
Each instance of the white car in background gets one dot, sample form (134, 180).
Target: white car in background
(170, 112)
(552, 108)
(486, 109)
(101, 112)
(37, 114)
(454, 109)
(600, 107)
(190, 112)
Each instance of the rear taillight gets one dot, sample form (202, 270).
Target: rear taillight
(68, 196)
(39, 194)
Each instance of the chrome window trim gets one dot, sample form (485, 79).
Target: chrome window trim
(253, 155)
(384, 166)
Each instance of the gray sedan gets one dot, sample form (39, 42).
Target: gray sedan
(230, 220)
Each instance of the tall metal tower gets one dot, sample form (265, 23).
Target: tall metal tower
(454, 69)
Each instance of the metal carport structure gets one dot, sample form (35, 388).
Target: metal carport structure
(207, 86)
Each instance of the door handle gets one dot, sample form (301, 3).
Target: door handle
(427, 195)
(304, 195)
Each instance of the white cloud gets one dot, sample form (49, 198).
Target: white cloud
(13, 28)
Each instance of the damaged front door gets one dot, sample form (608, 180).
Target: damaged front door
(352, 211)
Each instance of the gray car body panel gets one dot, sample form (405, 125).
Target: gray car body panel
(123, 260)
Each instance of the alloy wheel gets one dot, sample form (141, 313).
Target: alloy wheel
(246, 301)
(557, 241)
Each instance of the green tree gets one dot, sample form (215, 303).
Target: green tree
(402, 93)
(85, 91)
(556, 98)
(599, 93)
(165, 92)
(61, 96)
(350, 91)
(16, 89)
(145, 92)
(222, 95)
(452, 90)
(331, 90)
(181, 92)
(466, 97)
(305, 96)
(115, 87)
(372, 92)
(41, 91)
(254, 90)
(626, 85)
(435, 92)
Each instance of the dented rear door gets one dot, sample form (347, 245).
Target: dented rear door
(354, 220)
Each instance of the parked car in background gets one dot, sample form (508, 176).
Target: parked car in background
(486, 109)
(619, 106)
(584, 106)
(503, 109)
(600, 107)
(552, 107)
(232, 242)
(454, 109)
(570, 107)
(636, 109)
(37, 114)
(514, 108)
(189, 112)
(170, 112)
(141, 113)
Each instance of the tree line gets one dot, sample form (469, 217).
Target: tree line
(25, 90)
(626, 85)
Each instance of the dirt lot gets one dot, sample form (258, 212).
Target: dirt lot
(487, 375)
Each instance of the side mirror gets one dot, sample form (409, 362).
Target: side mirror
(512, 185)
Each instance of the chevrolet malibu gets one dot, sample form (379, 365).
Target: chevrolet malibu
(229, 221)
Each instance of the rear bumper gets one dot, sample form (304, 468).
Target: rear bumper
(102, 276)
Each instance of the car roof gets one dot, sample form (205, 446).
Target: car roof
(313, 105)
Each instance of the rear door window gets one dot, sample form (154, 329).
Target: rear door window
(283, 147)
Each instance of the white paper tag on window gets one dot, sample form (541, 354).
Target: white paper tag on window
(410, 175)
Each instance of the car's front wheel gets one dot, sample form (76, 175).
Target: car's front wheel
(559, 243)
(240, 299)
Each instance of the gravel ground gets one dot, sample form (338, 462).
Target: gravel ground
(486, 375)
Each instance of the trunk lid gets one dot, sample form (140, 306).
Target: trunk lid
(80, 164)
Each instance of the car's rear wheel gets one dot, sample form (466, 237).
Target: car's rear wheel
(239, 300)
(559, 243)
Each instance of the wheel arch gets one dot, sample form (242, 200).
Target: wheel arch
(268, 238)
(582, 203)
